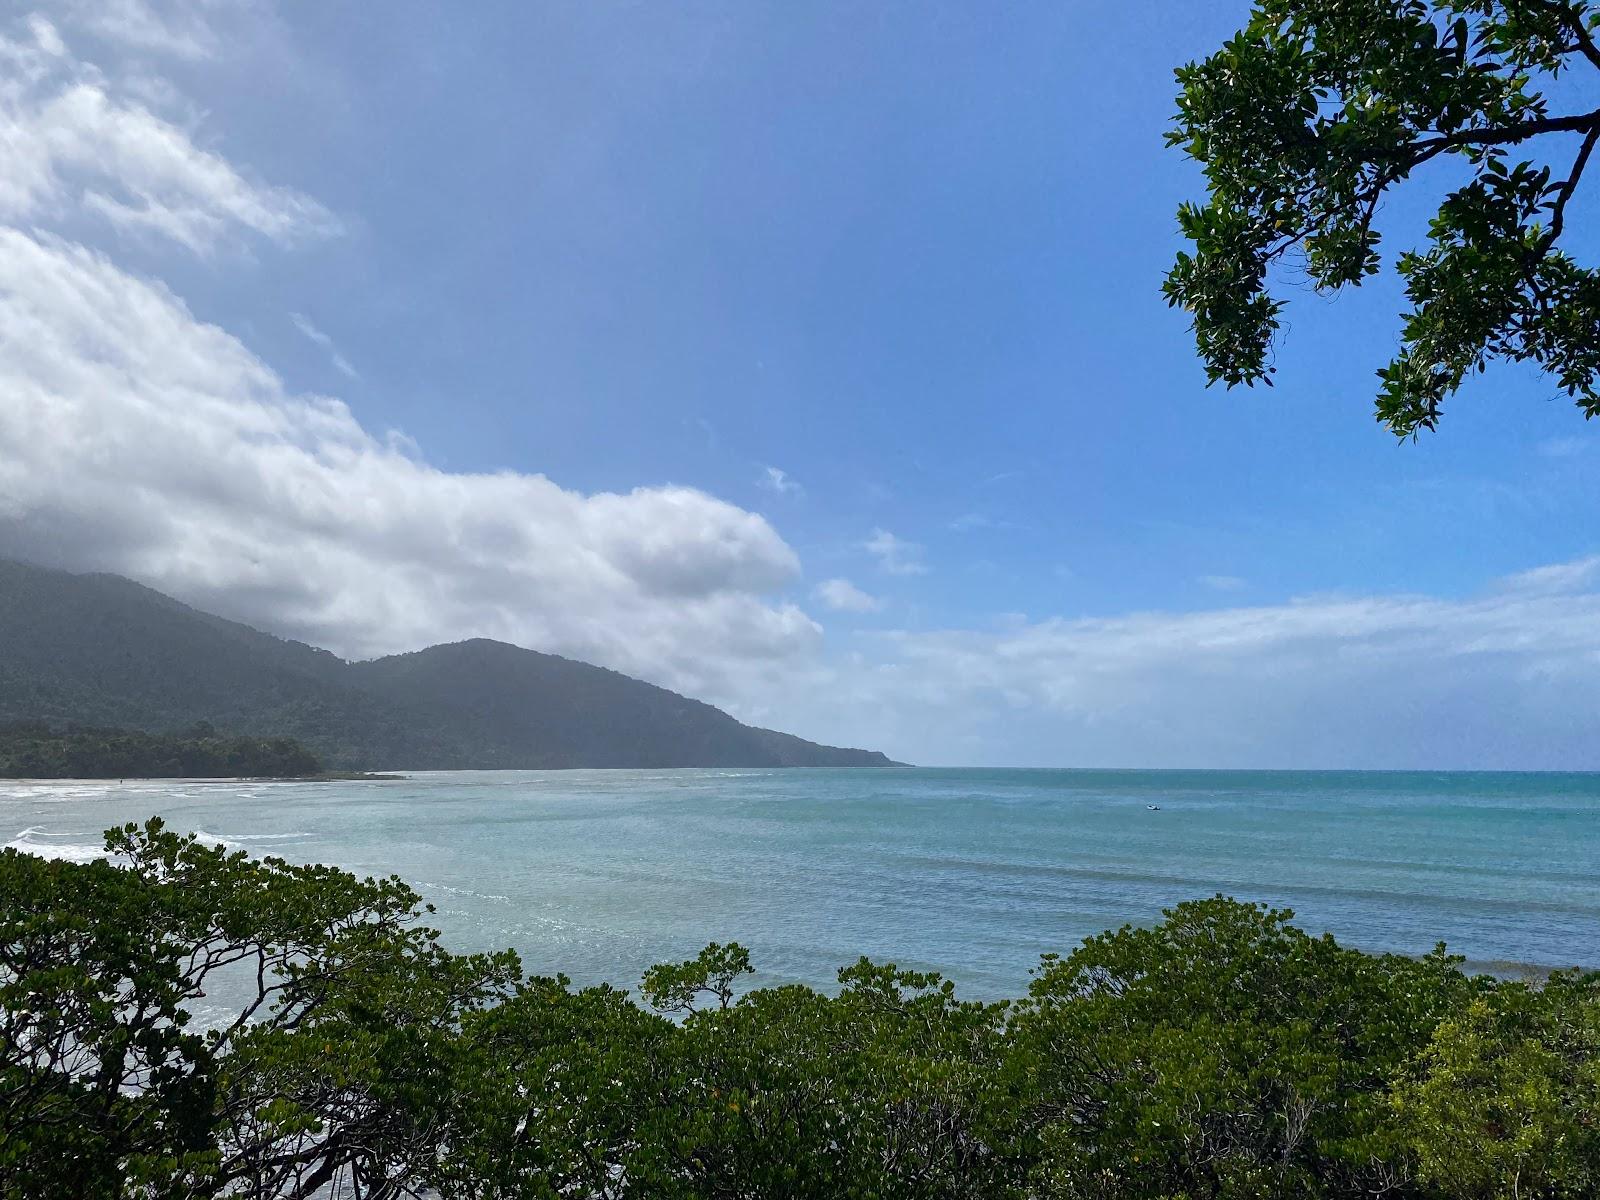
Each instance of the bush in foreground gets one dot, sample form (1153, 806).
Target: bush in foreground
(1222, 1053)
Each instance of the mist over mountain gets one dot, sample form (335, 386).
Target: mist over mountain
(102, 650)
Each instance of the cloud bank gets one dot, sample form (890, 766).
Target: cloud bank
(140, 440)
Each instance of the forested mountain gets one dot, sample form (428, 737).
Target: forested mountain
(100, 650)
(519, 703)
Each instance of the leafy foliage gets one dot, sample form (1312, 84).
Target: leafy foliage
(1310, 115)
(178, 1021)
(1510, 1102)
(1227, 1053)
(333, 1060)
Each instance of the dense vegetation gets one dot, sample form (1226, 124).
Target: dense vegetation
(103, 651)
(1310, 116)
(1223, 1053)
(34, 750)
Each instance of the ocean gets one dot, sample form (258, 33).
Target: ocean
(973, 873)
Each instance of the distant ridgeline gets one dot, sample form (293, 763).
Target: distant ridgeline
(103, 651)
(33, 750)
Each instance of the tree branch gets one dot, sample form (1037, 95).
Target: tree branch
(1505, 135)
(1558, 211)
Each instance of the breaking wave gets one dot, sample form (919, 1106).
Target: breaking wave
(34, 841)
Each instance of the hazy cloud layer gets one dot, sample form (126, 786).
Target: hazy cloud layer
(1509, 679)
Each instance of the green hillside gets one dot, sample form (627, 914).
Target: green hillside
(100, 650)
(528, 709)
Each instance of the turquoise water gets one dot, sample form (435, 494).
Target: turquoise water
(971, 872)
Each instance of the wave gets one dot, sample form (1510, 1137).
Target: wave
(456, 891)
(28, 842)
(237, 841)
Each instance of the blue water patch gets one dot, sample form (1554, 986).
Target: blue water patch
(974, 873)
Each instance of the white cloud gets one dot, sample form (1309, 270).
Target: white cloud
(305, 326)
(75, 144)
(1222, 583)
(775, 479)
(895, 556)
(841, 595)
(140, 440)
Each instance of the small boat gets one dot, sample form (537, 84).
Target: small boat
(1153, 807)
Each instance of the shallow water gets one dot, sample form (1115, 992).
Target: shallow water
(974, 873)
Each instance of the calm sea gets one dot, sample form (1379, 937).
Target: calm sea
(974, 873)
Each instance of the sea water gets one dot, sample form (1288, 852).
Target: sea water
(973, 873)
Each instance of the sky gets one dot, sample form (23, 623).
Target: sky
(808, 359)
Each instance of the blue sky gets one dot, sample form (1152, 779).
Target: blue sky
(810, 358)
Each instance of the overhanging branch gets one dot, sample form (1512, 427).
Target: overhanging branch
(1505, 135)
(1558, 211)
